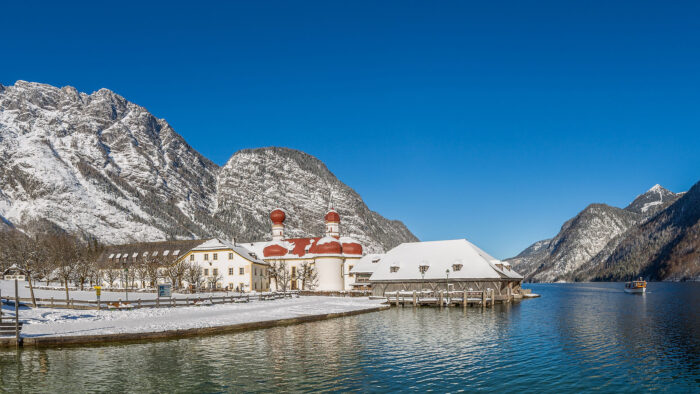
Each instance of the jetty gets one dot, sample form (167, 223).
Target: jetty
(442, 298)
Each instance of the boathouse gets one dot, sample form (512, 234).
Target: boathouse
(363, 270)
(453, 265)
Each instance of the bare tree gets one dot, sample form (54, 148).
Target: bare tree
(213, 280)
(23, 252)
(141, 270)
(111, 274)
(193, 275)
(279, 271)
(176, 272)
(63, 254)
(308, 275)
(152, 269)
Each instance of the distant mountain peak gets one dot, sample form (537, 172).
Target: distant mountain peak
(652, 201)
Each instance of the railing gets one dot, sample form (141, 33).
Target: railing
(441, 297)
(171, 302)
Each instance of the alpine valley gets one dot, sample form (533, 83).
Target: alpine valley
(102, 166)
(657, 237)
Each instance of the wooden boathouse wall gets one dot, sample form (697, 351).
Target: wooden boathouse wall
(500, 287)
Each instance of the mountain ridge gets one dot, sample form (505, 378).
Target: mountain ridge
(597, 243)
(101, 165)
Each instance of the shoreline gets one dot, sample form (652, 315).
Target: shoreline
(136, 337)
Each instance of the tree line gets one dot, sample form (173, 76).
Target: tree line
(51, 256)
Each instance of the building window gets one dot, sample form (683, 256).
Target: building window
(423, 268)
(191, 257)
(456, 267)
(215, 256)
(215, 271)
(394, 268)
(206, 271)
(241, 271)
(206, 256)
(230, 271)
(294, 272)
(230, 256)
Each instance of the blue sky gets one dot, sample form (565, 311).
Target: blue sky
(492, 121)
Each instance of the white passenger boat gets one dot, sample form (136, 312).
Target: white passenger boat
(636, 286)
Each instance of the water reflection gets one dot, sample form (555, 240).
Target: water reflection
(574, 338)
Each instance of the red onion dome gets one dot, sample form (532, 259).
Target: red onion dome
(332, 216)
(277, 216)
(352, 248)
(326, 245)
(275, 250)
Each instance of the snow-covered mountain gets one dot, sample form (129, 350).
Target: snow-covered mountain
(589, 238)
(652, 201)
(255, 181)
(665, 247)
(98, 164)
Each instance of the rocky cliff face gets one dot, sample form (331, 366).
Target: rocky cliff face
(100, 165)
(590, 239)
(255, 181)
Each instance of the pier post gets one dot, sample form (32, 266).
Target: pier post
(464, 300)
(414, 298)
(440, 300)
(483, 298)
(397, 298)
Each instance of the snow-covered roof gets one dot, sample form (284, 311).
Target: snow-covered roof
(327, 240)
(367, 264)
(166, 252)
(439, 256)
(176, 252)
(218, 244)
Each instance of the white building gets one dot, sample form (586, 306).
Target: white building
(231, 266)
(223, 264)
(438, 265)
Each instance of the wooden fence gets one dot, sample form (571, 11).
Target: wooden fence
(170, 302)
(441, 298)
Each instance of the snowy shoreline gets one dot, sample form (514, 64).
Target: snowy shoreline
(51, 327)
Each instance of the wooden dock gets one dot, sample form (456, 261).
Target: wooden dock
(486, 298)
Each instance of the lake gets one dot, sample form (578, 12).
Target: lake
(588, 336)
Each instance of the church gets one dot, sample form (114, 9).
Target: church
(332, 256)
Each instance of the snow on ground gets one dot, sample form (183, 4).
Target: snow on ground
(43, 322)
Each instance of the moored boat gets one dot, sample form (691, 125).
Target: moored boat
(636, 286)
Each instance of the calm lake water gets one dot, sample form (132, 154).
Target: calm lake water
(577, 337)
